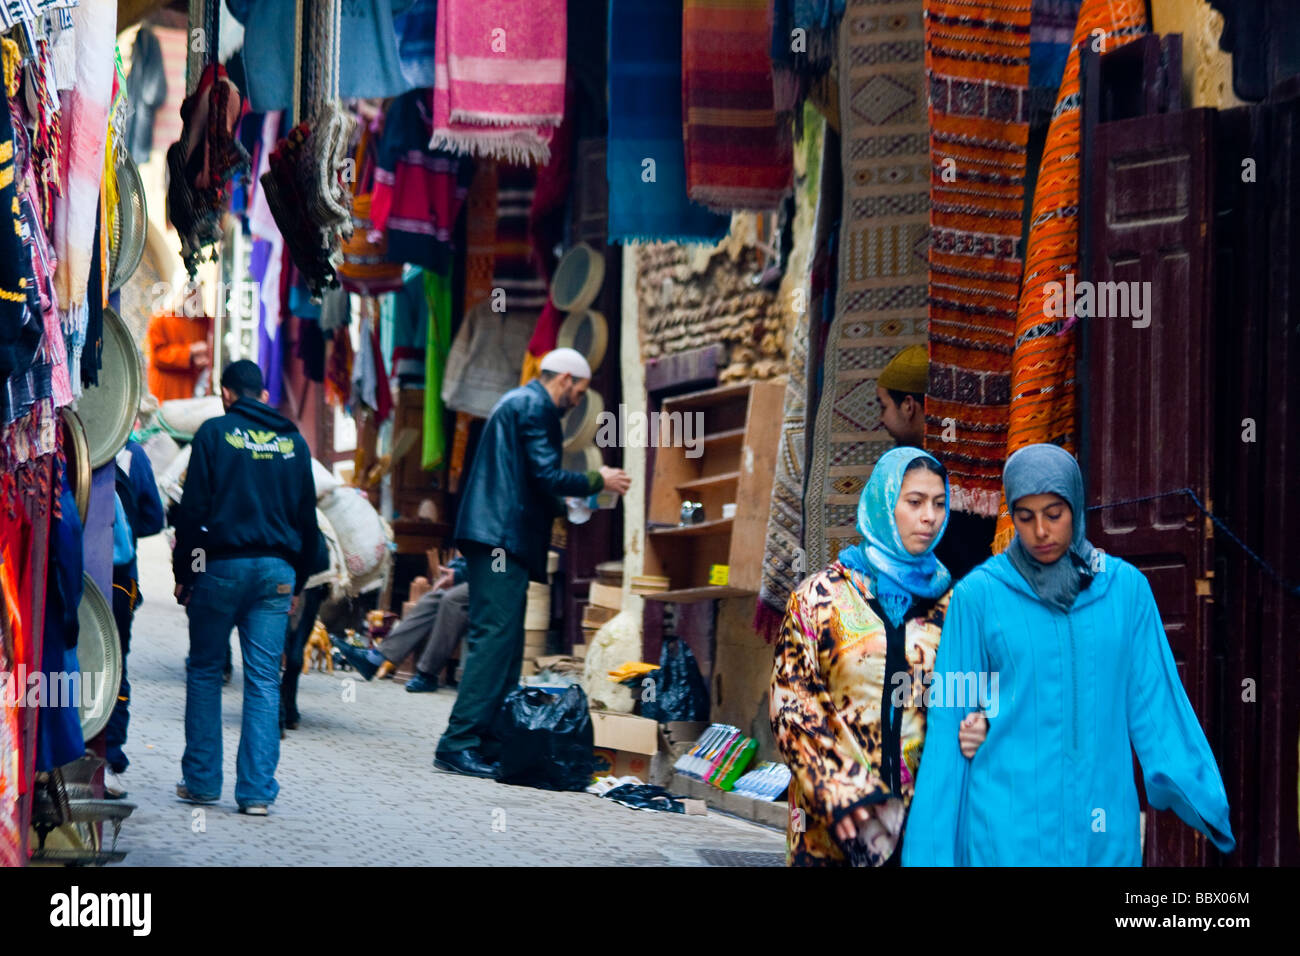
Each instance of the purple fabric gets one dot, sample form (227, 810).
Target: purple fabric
(269, 351)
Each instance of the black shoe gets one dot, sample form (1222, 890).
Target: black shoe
(470, 763)
(355, 657)
(421, 684)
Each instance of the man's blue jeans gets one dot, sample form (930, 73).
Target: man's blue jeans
(254, 595)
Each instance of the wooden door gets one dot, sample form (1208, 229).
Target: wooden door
(1278, 363)
(1149, 407)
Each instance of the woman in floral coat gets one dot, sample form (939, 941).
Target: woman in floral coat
(848, 688)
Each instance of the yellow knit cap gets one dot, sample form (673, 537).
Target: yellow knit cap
(908, 371)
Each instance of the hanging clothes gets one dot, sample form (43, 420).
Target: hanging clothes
(437, 290)
(419, 192)
(369, 67)
(409, 324)
(84, 118)
(58, 723)
(416, 31)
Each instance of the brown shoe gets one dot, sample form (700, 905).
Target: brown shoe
(385, 670)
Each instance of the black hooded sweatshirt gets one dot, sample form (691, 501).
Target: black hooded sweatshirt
(249, 493)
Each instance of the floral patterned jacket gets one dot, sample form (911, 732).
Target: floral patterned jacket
(827, 684)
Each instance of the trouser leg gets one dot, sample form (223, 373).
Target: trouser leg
(295, 646)
(495, 646)
(261, 636)
(448, 629)
(124, 599)
(413, 629)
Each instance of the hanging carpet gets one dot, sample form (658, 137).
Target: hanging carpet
(1044, 407)
(977, 64)
(782, 567)
(881, 300)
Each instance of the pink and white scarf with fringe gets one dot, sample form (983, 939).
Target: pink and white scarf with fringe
(499, 79)
(84, 117)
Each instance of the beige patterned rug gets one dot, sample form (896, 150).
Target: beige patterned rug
(881, 302)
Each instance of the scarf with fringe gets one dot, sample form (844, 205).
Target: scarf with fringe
(499, 79)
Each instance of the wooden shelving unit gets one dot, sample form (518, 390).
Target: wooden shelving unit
(732, 462)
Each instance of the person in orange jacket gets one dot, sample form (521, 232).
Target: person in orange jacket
(178, 354)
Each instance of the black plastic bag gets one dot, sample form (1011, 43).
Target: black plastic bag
(546, 740)
(646, 797)
(680, 691)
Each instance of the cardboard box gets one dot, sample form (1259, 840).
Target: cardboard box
(603, 595)
(580, 651)
(677, 736)
(623, 744)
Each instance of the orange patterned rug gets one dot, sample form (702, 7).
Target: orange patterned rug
(1043, 402)
(977, 65)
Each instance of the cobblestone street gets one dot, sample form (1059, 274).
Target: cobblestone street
(357, 782)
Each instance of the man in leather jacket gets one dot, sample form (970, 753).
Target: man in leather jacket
(511, 497)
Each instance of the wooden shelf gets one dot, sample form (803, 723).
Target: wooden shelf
(733, 464)
(712, 396)
(726, 478)
(710, 592)
(716, 526)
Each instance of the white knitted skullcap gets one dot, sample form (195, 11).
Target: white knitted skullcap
(566, 360)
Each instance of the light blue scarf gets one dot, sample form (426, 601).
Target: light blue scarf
(897, 577)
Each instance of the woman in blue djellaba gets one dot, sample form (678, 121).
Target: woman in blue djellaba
(1084, 673)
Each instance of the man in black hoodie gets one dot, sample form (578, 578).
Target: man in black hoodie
(245, 542)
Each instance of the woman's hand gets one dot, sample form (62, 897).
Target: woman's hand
(971, 734)
(846, 831)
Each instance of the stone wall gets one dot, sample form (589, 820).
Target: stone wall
(693, 296)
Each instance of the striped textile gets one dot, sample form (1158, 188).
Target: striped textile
(1043, 405)
(884, 235)
(977, 65)
(480, 256)
(738, 156)
(499, 77)
(781, 571)
(515, 266)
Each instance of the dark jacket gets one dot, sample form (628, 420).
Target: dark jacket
(138, 489)
(511, 496)
(249, 493)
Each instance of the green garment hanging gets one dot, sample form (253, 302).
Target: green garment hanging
(437, 292)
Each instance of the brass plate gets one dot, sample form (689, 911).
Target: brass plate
(108, 410)
(78, 455)
(98, 653)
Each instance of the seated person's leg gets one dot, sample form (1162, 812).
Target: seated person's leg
(448, 630)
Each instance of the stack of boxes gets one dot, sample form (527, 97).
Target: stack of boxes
(604, 600)
(537, 619)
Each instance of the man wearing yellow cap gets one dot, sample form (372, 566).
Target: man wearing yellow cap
(900, 392)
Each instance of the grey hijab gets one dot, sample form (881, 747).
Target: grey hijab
(1050, 469)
